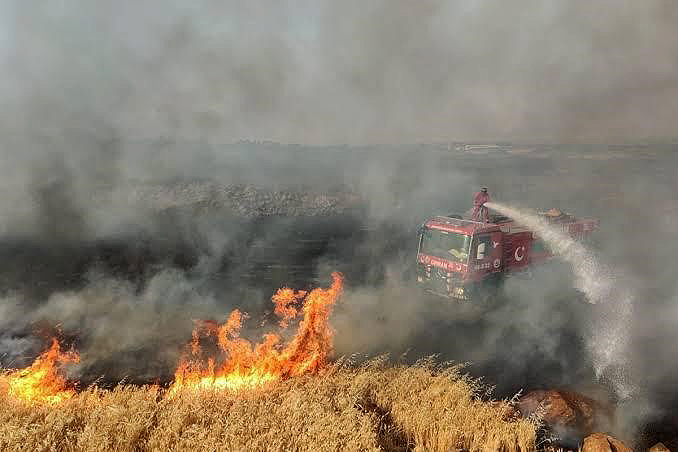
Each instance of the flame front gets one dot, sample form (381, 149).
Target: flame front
(41, 382)
(250, 365)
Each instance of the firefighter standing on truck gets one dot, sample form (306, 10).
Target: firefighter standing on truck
(480, 212)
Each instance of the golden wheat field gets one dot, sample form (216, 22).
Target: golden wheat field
(368, 407)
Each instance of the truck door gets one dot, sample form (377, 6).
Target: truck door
(487, 253)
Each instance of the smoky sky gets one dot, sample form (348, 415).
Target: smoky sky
(343, 72)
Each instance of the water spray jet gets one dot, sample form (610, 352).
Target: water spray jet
(609, 339)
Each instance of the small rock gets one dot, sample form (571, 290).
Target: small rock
(659, 447)
(600, 442)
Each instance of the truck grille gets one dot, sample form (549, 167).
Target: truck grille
(438, 280)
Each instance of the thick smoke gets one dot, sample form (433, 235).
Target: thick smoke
(104, 101)
(322, 72)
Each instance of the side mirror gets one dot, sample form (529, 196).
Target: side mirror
(480, 252)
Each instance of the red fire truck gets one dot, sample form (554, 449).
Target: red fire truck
(459, 258)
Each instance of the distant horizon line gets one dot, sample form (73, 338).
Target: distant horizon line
(112, 135)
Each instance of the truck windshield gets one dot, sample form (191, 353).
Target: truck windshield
(446, 245)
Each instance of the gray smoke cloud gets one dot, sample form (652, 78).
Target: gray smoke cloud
(119, 324)
(322, 72)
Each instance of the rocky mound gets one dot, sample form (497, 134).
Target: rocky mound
(244, 200)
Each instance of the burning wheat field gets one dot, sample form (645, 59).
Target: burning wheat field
(281, 393)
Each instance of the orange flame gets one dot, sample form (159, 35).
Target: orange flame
(41, 382)
(248, 365)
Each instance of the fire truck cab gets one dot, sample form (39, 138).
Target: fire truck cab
(456, 256)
